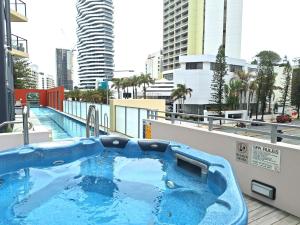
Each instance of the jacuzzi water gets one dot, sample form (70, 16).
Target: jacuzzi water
(84, 182)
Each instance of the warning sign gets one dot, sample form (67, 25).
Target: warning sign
(242, 152)
(266, 157)
(147, 134)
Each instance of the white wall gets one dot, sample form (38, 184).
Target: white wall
(286, 182)
(213, 35)
(200, 80)
(234, 28)
(13, 140)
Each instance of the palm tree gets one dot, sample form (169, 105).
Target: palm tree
(252, 90)
(232, 93)
(117, 84)
(180, 94)
(135, 82)
(145, 80)
(245, 78)
(125, 83)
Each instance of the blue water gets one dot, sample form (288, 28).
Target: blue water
(107, 188)
(62, 126)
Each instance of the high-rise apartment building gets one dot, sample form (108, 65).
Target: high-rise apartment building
(10, 46)
(197, 27)
(46, 81)
(95, 41)
(153, 65)
(64, 68)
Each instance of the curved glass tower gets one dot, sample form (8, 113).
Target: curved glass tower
(95, 41)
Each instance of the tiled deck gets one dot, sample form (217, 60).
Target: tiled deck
(262, 214)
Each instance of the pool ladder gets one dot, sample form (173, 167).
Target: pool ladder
(106, 123)
(93, 116)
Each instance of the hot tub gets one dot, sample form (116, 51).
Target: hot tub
(112, 180)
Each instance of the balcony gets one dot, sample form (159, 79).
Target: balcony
(19, 47)
(18, 11)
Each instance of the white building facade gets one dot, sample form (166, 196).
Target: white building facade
(46, 81)
(153, 65)
(200, 27)
(196, 72)
(95, 41)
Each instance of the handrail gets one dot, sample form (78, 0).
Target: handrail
(15, 122)
(25, 125)
(92, 113)
(106, 123)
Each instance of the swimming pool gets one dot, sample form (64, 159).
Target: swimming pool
(63, 127)
(113, 180)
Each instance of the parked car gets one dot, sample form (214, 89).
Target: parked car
(284, 118)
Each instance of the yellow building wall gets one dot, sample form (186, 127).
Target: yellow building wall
(151, 104)
(195, 27)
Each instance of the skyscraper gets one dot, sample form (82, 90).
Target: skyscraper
(95, 41)
(64, 68)
(196, 27)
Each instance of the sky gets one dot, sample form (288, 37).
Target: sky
(267, 25)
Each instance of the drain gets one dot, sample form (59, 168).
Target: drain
(1, 182)
(58, 162)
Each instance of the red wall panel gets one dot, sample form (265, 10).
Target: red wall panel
(52, 97)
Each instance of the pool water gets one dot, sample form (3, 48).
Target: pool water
(106, 188)
(62, 126)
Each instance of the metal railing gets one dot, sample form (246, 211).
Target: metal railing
(93, 116)
(274, 132)
(26, 125)
(19, 43)
(18, 6)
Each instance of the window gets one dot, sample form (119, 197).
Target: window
(235, 68)
(194, 66)
(213, 66)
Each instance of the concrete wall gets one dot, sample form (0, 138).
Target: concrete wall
(152, 104)
(13, 140)
(286, 181)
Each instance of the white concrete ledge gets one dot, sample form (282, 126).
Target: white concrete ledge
(13, 140)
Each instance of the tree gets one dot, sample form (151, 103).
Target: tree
(295, 94)
(285, 90)
(135, 82)
(265, 79)
(218, 81)
(96, 96)
(125, 83)
(145, 80)
(117, 84)
(244, 77)
(232, 93)
(22, 73)
(180, 94)
(252, 90)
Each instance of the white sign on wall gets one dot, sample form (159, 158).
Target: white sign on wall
(266, 157)
(242, 152)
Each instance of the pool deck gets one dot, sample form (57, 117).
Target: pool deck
(261, 214)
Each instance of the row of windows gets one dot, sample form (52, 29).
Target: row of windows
(199, 66)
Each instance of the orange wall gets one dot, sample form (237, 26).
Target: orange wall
(52, 97)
